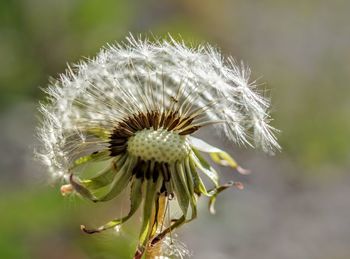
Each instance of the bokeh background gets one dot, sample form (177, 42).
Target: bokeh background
(295, 204)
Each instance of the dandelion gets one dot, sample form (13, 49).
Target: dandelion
(136, 107)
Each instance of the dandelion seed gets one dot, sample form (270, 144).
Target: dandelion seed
(136, 107)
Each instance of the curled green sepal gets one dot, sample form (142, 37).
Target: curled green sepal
(181, 175)
(217, 155)
(150, 191)
(214, 193)
(81, 189)
(204, 166)
(198, 185)
(184, 194)
(120, 181)
(190, 190)
(180, 187)
(106, 176)
(95, 156)
(135, 201)
(103, 178)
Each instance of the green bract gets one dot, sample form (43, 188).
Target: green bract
(152, 180)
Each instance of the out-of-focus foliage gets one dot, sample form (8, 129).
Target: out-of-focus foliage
(289, 210)
(39, 37)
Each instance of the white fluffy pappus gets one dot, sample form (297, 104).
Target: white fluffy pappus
(137, 75)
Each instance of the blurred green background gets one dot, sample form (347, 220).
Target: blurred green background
(295, 205)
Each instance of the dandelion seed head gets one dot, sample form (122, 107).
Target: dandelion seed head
(106, 88)
(135, 106)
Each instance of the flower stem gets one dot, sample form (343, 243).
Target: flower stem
(155, 251)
